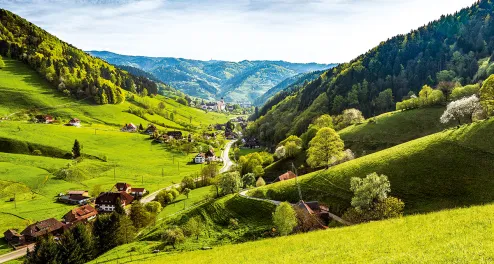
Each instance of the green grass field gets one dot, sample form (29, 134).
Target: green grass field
(392, 128)
(444, 170)
(113, 156)
(451, 236)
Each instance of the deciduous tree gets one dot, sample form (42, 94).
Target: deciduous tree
(285, 218)
(324, 148)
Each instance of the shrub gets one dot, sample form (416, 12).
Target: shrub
(390, 207)
(285, 218)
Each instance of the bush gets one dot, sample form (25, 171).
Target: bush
(390, 207)
(465, 91)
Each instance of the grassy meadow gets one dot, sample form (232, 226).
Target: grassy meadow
(112, 156)
(451, 236)
(444, 170)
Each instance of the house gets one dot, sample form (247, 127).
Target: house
(46, 119)
(230, 134)
(138, 192)
(123, 187)
(314, 208)
(74, 122)
(210, 155)
(80, 214)
(129, 128)
(175, 134)
(45, 227)
(220, 105)
(13, 238)
(286, 176)
(200, 158)
(107, 201)
(75, 197)
(151, 129)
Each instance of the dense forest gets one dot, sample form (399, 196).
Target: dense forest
(67, 68)
(457, 49)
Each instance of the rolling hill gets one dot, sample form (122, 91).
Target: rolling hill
(454, 48)
(235, 81)
(443, 170)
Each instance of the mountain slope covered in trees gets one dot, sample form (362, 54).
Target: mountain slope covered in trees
(236, 81)
(457, 48)
(67, 68)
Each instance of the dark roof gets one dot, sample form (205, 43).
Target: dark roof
(111, 198)
(75, 120)
(43, 227)
(122, 186)
(210, 153)
(304, 206)
(137, 189)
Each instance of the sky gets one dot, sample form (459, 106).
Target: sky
(323, 31)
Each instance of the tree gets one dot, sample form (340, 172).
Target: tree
(260, 182)
(280, 152)
(285, 218)
(139, 215)
(249, 180)
(83, 237)
(2, 63)
(161, 106)
(258, 171)
(186, 192)
(323, 121)
(209, 172)
(230, 182)
(76, 149)
(425, 93)
(173, 236)
(119, 209)
(324, 148)
(188, 182)
(70, 250)
(373, 188)
(194, 227)
(465, 107)
(487, 95)
(352, 116)
(153, 207)
(384, 100)
(46, 251)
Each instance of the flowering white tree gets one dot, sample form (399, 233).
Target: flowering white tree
(280, 152)
(465, 107)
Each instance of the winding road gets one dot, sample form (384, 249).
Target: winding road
(15, 254)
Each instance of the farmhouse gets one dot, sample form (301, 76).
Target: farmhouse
(46, 119)
(123, 187)
(138, 192)
(13, 238)
(74, 122)
(150, 129)
(200, 158)
(175, 134)
(314, 208)
(210, 156)
(80, 214)
(106, 202)
(38, 229)
(286, 176)
(129, 128)
(75, 197)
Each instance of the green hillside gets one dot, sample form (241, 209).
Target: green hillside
(447, 169)
(455, 236)
(454, 48)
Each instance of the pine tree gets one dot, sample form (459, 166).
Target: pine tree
(84, 239)
(76, 149)
(70, 250)
(2, 63)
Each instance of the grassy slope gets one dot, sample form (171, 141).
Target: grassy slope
(254, 219)
(133, 155)
(447, 169)
(454, 236)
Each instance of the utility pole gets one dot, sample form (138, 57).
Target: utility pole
(15, 202)
(178, 166)
(296, 182)
(142, 179)
(162, 173)
(114, 171)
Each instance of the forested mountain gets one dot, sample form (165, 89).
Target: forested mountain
(288, 84)
(67, 68)
(236, 81)
(457, 48)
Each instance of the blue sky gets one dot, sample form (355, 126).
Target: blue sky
(322, 31)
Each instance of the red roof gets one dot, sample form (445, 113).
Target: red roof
(287, 176)
(80, 213)
(137, 190)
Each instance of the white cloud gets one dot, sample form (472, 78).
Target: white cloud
(294, 30)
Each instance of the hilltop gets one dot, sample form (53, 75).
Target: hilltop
(235, 81)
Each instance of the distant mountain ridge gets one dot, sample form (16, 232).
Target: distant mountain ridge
(235, 81)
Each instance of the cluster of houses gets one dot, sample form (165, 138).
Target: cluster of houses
(219, 106)
(209, 156)
(48, 119)
(105, 202)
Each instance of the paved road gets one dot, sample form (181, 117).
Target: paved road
(227, 163)
(15, 254)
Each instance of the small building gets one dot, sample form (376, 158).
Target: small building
(45, 227)
(210, 155)
(129, 128)
(286, 176)
(75, 122)
(107, 201)
(13, 238)
(75, 197)
(200, 158)
(45, 119)
(84, 213)
(175, 134)
(150, 129)
(123, 187)
(138, 192)
(314, 208)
